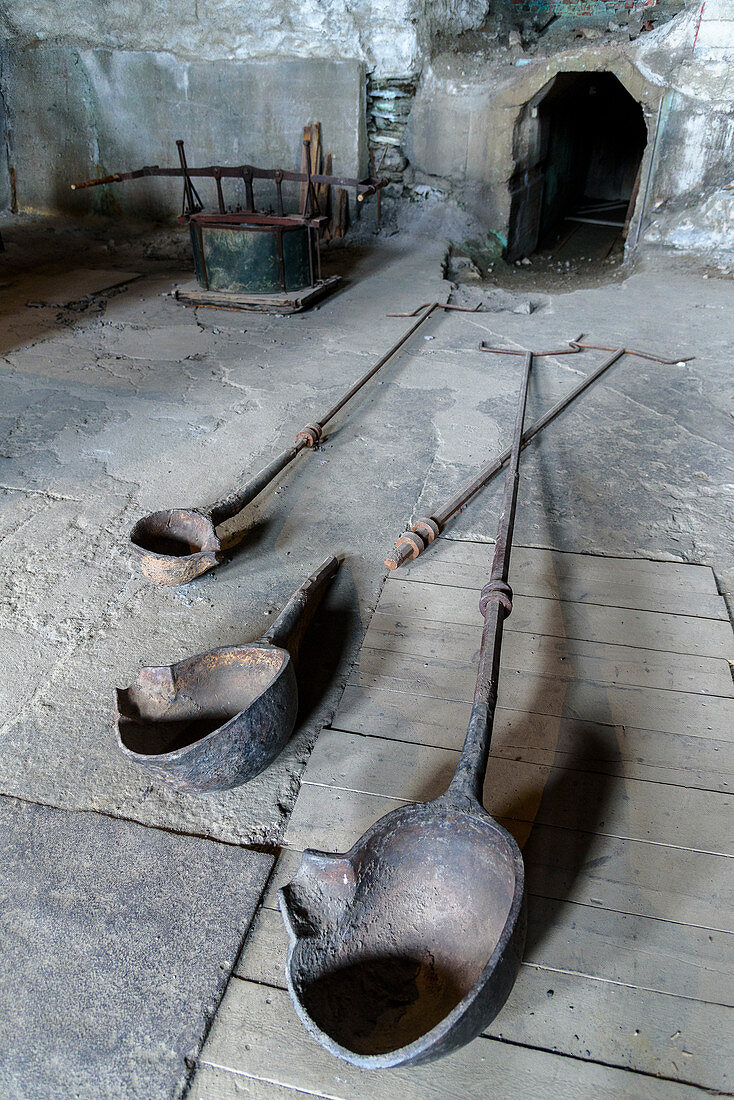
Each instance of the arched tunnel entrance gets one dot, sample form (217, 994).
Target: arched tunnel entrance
(578, 148)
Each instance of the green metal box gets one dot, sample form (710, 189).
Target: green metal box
(256, 257)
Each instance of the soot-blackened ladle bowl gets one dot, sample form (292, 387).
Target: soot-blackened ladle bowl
(218, 719)
(407, 946)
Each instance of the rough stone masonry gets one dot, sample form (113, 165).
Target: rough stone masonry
(85, 90)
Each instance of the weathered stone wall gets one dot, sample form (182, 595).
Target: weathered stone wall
(390, 36)
(690, 204)
(90, 87)
(93, 87)
(6, 189)
(578, 9)
(461, 131)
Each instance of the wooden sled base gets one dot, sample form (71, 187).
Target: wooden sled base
(191, 294)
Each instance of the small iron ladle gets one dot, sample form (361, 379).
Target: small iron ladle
(177, 545)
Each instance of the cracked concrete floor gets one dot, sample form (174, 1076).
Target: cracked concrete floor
(127, 402)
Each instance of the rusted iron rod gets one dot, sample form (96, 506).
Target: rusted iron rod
(573, 349)
(429, 307)
(254, 218)
(192, 204)
(495, 604)
(364, 187)
(437, 305)
(638, 354)
(426, 530)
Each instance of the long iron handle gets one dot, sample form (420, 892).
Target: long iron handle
(118, 177)
(309, 436)
(429, 308)
(235, 502)
(412, 543)
(292, 623)
(324, 420)
(495, 605)
(364, 187)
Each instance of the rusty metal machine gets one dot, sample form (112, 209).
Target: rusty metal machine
(250, 251)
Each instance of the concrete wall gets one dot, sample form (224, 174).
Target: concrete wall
(715, 40)
(92, 87)
(390, 36)
(462, 131)
(6, 191)
(81, 113)
(689, 206)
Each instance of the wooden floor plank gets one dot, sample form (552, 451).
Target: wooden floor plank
(621, 1026)
(404, 600)
(627, 876)
(257, 1032)
(645, 952)
(587, 569)
(544, 739)
(640, 594)
(609, 704)
(518, 791)
(563, 658)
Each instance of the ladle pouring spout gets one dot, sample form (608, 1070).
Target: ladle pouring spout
(407, 946)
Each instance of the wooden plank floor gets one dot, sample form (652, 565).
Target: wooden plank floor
(612, 764)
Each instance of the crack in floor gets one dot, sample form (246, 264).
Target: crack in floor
(40, 492)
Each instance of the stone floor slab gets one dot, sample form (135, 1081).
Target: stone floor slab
(118, 941)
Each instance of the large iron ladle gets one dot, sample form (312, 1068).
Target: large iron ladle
(177, 545)
(408, 945)
(218, 719)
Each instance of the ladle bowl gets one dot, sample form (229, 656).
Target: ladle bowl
(175, 546)
(402, 949)
(213, 721)
(216, 720)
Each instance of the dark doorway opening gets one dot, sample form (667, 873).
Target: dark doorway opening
(578, 153)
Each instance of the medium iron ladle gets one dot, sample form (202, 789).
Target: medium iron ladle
(218, 719)
(408, 945)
